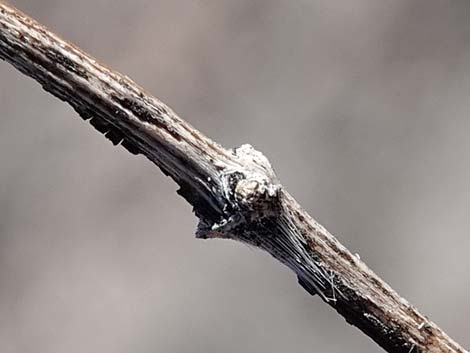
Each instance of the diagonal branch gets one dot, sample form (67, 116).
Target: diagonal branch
(235, 193)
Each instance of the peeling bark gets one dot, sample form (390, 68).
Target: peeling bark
(235, 193)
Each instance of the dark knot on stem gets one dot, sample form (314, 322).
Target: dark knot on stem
(251, 190)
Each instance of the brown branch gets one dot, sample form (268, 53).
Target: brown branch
(235, 193)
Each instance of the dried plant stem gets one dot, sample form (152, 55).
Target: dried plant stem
(235, 193)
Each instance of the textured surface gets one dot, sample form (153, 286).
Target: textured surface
(332, 222)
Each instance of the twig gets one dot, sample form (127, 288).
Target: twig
(235, 193)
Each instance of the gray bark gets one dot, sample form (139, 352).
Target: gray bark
(234, 192)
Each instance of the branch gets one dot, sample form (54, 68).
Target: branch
(235, 193)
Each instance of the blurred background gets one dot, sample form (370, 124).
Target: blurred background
(362, 108)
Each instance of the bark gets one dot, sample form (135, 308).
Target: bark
(234, 192)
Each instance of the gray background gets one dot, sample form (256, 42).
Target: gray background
(361, 106)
